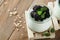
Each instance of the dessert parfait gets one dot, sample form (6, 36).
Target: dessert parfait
(56, 10)
(38, 18)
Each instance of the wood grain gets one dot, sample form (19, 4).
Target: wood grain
(17, 35)
(8, 30)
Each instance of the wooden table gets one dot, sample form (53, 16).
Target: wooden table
(8, 31)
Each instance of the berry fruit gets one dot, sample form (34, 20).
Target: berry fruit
(40, 12)
(32, 14)
(36, 7)
(47, 15)
(36, 16)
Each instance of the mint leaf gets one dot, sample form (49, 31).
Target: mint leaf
(44, 8)
(43, 15)
(39, 12)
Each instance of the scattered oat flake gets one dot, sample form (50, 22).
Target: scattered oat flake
(15, 13)
(17, 24)
(17, 29)
(20, 25)
(19, 16)
(11, 13)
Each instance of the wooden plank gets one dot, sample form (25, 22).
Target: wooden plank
(6, 25)
(17, 34)
(4, 9)
(21, 9)
(3, 15)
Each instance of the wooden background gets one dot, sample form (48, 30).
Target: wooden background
(8, 31)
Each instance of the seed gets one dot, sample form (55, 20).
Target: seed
(15, 13)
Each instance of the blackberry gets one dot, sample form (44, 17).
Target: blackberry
(47, 15)
(40, 18)
(40, 13)
(36, 7)
(36, 17)
(32, 14)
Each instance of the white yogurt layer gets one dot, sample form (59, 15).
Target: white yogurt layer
(37, 26)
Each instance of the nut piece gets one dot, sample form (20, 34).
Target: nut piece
(15, 13)
(19, 17)
(16, 24)
(17, 29)
(20, 25)
(11, 14)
